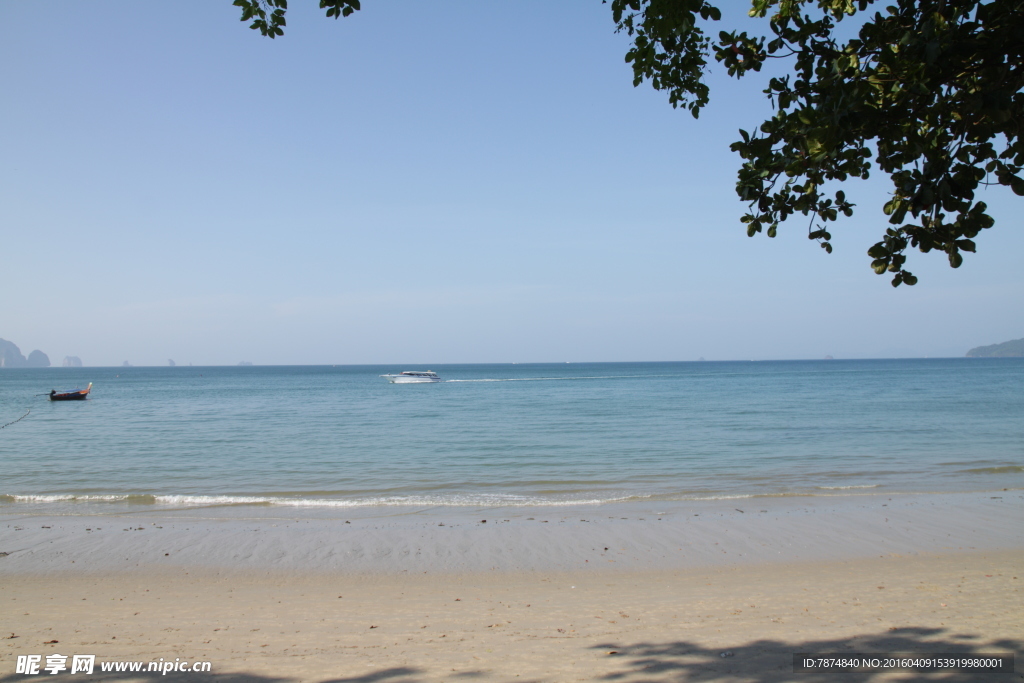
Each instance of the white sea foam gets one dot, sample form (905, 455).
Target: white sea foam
(744, 496)
(187, 500)
(780, 494)
(386, 501)
(852, 486)
(449, 500)
(64, 497)
(467, 500)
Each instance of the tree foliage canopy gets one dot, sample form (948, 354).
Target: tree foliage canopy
(929, 91)
(267, 16)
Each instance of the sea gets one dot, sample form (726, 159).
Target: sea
(506, 435)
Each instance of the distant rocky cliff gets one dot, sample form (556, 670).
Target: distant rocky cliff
(38, 359)
(1010, 349)
(72, 362)
(10, 357)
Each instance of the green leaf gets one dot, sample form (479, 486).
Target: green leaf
(878, 251)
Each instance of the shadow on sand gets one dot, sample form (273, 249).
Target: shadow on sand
(761, 661)
(771, 661)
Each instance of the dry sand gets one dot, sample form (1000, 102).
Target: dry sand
(400, 598)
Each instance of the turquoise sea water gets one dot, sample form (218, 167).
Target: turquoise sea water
(510, 434)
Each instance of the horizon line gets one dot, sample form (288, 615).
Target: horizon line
(699, 360)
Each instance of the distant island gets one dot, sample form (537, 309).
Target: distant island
(1010, 349)
(10, 357)
(72, 362)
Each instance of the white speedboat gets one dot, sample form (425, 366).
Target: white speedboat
(413, 377)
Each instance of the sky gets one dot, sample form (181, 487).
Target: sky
(458, 182)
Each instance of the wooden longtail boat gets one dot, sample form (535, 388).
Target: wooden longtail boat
(76, 395)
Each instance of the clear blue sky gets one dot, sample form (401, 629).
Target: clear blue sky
(425, 183)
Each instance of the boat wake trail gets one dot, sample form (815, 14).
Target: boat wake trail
(550, 379)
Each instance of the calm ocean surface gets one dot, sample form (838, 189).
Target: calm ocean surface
(509, 434)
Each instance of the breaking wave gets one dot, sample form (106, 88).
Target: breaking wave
(852, 486)
(452, 500)
(1007, 469)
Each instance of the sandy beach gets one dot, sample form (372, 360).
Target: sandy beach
(616, 592)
